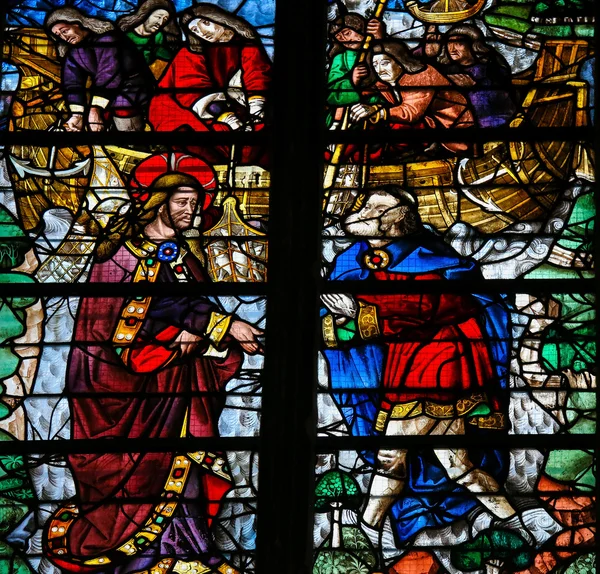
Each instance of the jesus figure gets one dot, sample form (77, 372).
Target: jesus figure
(150, 368)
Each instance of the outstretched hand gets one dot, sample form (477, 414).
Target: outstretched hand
(247, 336)
(463, 80)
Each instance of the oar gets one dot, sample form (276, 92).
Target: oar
(334, 164)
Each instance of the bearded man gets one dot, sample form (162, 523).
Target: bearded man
(347, 76)
(438, 360)
(149, 368)
(154, 31)
(218, 82)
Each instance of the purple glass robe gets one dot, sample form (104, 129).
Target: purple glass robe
(116, 68)
(111, 397)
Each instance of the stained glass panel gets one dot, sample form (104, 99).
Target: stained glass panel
(458, 64)
(161, 65)
(508, 210)
(65, 207)
(183, 495)
(521, 364)
(456, 407)
(134, 203)
(552, 491)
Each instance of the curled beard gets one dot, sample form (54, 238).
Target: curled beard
(360, 228)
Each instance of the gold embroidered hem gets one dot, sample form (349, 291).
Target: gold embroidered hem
(329, 331)
(135, 310)
(131, 319)
(461, 408)
(144, 249)
(493, 421)
(167, 565)
(368, 326)
(59, 524)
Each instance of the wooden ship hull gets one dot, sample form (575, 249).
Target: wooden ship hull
(507, 183)
(447, 13)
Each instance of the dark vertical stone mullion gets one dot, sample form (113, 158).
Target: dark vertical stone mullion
(288, 429)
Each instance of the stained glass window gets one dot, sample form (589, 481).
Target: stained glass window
(134, 208)
(345, 247)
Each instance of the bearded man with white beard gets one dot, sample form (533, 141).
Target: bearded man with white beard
(422, 362)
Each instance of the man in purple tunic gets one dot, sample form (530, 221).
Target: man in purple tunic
(95, 52)
(149, 368)
(483, 73)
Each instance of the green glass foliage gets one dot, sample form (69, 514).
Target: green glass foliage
(15, 486)
(576, 235)
(334, 488)
(339, 562)
(502, 545)
(11, 562)
(579, 229)
(585, 564)
(14, 480)
(14, 244)
(569, 343)
(357, 555)
(580, 412)
(16, 493)
(572, 466)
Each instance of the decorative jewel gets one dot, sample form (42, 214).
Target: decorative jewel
(168, 251)
(377, 259)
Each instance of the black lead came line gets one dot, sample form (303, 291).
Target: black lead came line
(267, 136)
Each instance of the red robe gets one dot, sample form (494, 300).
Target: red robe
(437, 349)
(199, 74)
(146, 387)
(427, 99)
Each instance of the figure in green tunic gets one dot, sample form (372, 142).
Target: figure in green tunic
(153, 29)
(347, 76)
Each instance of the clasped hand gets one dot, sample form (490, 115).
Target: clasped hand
(342, 306)
(95, 122)
(244, 333)
(361, 111)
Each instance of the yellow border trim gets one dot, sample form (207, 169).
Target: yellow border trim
(368, 324)
(218, 326)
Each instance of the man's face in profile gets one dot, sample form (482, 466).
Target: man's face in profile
(70, 33)
(210, 31)
(180, 209)
(378, 217)
(350, 38)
